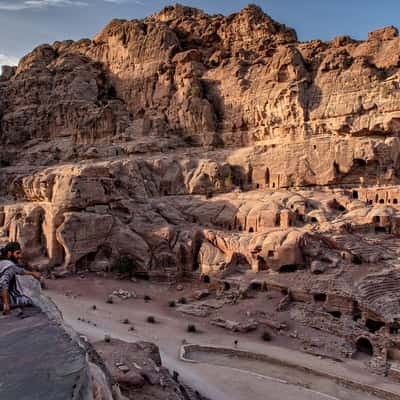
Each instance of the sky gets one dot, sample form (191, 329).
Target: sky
(25, 24)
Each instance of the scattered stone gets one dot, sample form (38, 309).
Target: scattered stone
(201, 294)
(124, 294)
(124, 368)
(235, 326)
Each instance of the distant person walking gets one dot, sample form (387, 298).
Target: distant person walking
(10, 291)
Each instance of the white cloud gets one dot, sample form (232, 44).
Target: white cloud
(8, 60)
(24, 4)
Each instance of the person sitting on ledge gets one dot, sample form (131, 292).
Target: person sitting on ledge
(11, 294)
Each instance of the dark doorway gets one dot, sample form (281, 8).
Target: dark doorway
(336, 314)
(288, 268)
(364, 346)
(355, 194)
(267, 177)
(374, 326)
(319, 297)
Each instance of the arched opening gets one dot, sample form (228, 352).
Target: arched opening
(364, 346)
(251, 230)
(273, 185)
(319, 297)
(206, 279)
(267, 177)
(355, 194)
(258, 186)
(288, 268)
(381, 201)
(370, 201)
(314, 220)
(373, 325)
(336, 314)
(395, 201)
(278, 220)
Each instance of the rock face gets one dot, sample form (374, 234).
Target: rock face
(149, 142)
(138, 370)
(37, 340)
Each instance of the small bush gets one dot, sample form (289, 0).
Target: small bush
(146, 298)
(266, 336)
(171, 303)
(151, 320)
(191, 328)
(182, 300)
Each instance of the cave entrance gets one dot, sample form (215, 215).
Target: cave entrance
(355, 194)
(288, 268)
(373, 325)
(365, 347)
(358, 162)
(335, 314)
(206, 279)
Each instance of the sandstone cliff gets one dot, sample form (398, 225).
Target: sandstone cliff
(114, 146)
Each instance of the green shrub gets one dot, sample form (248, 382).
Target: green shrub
(266, 336)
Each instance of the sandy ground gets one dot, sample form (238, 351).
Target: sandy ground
(218, 382)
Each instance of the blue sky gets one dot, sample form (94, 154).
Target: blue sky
(25, 24)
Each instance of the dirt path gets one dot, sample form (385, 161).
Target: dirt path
(218, 382)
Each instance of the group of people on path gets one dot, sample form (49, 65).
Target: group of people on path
(11, 295)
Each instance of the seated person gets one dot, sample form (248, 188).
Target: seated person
(11, 295)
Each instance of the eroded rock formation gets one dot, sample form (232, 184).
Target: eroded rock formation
(198, 145)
